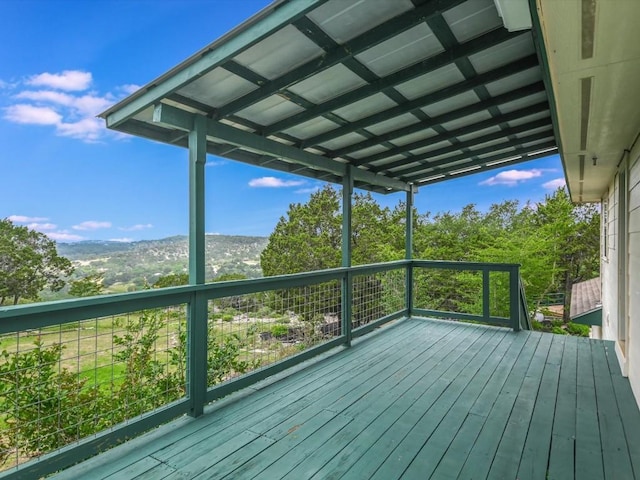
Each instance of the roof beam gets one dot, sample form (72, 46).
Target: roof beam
(494, 37)
(435, 167)
(454, 134)
(176, 118)
(444, 118)
(522, 152)
(211, 57)
(461, 87)
(332, 57)
(544, 122)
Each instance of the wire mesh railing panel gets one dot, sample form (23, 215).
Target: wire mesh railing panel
(64, 383)
(376, 295)
(456, 291)
(499, 294)
(249, 331)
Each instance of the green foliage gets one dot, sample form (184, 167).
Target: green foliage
(172, 280)
(29, 262)
(556, 243)
(45, 407)
(30, 385)
(224, 357)
(578, 329)
(87, 286)
(558, 331)
(279, 330)
(309, 238)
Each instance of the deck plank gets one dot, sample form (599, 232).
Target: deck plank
(458, 451)
(335, 459)
(616, 460)
(561, 458)
(588, 463)
(480, 458)
(628, 410)
(424, 417)
(428, 458)
(538, 440)
(507, 457)
(416, 400)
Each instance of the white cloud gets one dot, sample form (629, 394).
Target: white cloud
(69, 80)
(25, 219)
(88, 129)
(554, 184)
(123, 240)
(129, 88)
(215, 163)
(42, 227)
(30, 114)
(307, 190)
(92, 225)
(512, 177)
(62, 101)
(135, 228)
(64, 237)
(273, 182)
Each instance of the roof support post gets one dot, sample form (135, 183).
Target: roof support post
(347, 280)
(197, 315)
(409, 249)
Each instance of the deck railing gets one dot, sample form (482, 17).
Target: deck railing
(78, 376)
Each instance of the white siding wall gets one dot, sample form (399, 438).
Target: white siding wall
(609, 265)
(633, 339)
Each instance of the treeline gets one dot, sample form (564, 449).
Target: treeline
(555, 242)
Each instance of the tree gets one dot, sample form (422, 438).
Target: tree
(172, 280)
(309, 238)
(29, 262)
(87, 286)
(573, 232)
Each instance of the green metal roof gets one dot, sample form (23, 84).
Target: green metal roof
(405, 92)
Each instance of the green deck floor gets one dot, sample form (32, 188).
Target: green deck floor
(416, 400)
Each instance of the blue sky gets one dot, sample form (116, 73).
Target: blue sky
(63, 62)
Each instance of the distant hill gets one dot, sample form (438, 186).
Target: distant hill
(129, 265)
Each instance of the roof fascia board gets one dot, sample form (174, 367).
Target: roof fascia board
(176, 118)
(541, 51)
(255, 30)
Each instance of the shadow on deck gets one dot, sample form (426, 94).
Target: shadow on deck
(417, 399)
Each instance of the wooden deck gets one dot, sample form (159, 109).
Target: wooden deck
(419, 399)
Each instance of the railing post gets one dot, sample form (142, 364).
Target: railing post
(486, 299)
(409, 250)
(347, 279)
(514, 297)
(197, 354)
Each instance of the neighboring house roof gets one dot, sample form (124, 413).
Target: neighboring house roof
(585, 297)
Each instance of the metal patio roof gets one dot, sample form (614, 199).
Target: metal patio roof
(405, 91)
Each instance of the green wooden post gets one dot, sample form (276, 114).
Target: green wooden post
(486, 312)
(347, 280)
(197, 314)
(409, 250)
(514, 297)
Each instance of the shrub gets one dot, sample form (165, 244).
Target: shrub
(578, 329)
(279, 330)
